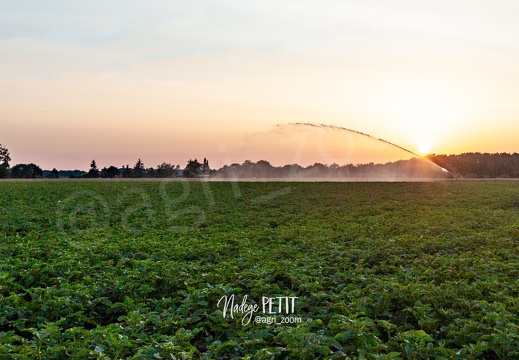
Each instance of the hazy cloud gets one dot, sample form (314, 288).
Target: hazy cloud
(44, 38)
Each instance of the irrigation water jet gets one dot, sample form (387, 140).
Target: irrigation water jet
(340, 128)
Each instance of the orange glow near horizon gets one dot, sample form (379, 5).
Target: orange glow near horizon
(215, 85)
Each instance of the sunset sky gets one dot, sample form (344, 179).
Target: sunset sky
(172, 80)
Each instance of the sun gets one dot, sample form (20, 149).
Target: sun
(424, 148)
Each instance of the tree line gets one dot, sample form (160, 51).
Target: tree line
(164, 170)
(480, 165)
(413, 168)
(194, 168)
(469, 165)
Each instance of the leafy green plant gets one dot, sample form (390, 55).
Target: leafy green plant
(121, 270)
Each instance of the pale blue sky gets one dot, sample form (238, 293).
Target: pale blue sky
(125, 32)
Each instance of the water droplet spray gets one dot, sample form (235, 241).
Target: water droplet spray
(340, 128)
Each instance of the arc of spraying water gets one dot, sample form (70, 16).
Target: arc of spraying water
(335, 127)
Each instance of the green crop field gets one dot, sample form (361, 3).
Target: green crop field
(144, 270)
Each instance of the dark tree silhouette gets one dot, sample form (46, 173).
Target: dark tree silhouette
(150, 173)
(94, 171)
(166, 170)
(476, 165)
(126, 171)
(54, 174)
(263, 169)
(139, 170)
(26, 171)
(4, 171)
(4, 156)
(111, 172)
(4, 162)
(205, 169)
(193, 169)
(480, 165)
